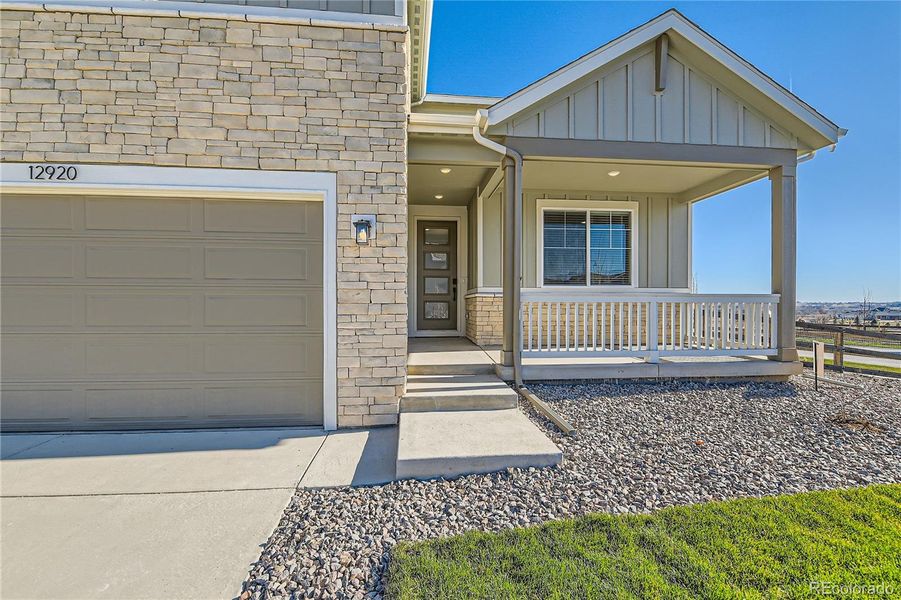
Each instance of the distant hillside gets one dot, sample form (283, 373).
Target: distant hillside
(825, 312)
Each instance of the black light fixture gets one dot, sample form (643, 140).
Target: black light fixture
(363, 226)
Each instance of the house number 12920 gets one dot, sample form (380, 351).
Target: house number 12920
(52, 172)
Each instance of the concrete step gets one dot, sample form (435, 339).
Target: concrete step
(450, 369)
(454, 443)
(447, 356)
(456, 392)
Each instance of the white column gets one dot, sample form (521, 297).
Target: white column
(784, 257)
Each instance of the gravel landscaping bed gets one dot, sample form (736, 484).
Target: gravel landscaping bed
(639, 447)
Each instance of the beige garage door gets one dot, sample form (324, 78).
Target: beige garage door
(140, 312)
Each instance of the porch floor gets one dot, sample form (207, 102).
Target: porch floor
(427, 354)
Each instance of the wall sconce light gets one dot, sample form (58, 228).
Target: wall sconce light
(363, 229)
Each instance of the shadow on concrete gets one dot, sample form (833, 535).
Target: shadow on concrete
(24, 446)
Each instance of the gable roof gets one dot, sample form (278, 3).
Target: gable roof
(815, 129)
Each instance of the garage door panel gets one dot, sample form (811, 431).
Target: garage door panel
(136, 309)
(36, 308)
(37, 259)
(29, 212)
(263, 401)
(239, 354)
(120, 403)
(41, 405)
(27, 356)
(257, 263)
(298, 309)
(126, 313)
(138, 261)
(293, 218)
(146, 355)
(152, 215)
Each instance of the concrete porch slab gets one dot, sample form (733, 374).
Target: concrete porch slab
(449, 444)
(359, 457)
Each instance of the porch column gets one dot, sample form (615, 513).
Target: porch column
(784, 257)
(510, 280)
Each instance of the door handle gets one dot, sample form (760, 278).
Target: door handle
(455, 289)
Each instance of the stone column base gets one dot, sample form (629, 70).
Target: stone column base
(485, 319)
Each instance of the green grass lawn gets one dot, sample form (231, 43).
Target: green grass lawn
(748, 548)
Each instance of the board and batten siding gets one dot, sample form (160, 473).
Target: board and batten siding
(663, 226)
(619, 103)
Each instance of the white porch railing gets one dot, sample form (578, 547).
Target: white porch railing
(579, 323)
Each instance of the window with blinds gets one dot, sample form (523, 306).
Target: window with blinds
(587, 247)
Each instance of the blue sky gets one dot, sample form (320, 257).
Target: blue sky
(844, 58)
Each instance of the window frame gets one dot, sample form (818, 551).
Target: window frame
(551, 204)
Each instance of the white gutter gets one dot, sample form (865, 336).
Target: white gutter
(481, 120)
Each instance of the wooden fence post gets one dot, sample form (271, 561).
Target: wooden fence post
(838, 355)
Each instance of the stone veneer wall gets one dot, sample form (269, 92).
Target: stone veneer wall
(206, 92)
(485, 319)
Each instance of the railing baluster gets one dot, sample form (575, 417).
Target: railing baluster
(557, 327)
(638, 325)
(585, 325)
(663, 325)
(672, 324)
(594, 326)
(620, 325)
(529, 305)
(774, 343)
(603, 325)
(630, 326)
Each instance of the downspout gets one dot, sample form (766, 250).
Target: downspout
(481, 119)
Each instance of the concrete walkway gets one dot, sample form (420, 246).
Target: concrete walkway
(161, 514)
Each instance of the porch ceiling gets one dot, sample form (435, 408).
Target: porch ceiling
(457, 187)
(686, 182)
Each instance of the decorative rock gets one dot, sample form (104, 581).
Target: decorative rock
(635, 452)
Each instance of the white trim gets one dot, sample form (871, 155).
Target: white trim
(421, 122)
(126, 180)
(580, 292)
(253, 13)
(483, 101)
(458, 214)
(670, 20)
(485, 291)
(542, 204)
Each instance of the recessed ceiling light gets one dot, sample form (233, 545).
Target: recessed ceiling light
(439, 196)
(445, 170)
(613, 173)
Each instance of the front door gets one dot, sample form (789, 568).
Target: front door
(436, 273)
